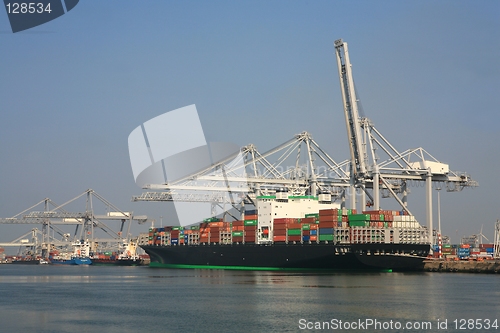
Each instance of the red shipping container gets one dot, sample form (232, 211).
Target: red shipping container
(313, 226)
(238, 239)
(284, 220)
(328, 218)
(294, 226)
(313, 238)
(250, 228)
(279, 238)
(237, 223)
(327, 224)
(308, 220)
(328, 212)
(279, 232)
(251, 217)
(305, 232)
(280, 227)
(294, 238)
(374, 212)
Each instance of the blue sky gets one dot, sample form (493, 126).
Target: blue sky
(72, 90)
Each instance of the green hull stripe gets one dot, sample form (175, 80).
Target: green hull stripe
(248, 268)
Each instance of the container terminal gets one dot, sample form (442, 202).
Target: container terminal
(297, 218)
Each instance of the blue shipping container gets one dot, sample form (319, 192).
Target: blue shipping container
(326, 231)
(305, 238)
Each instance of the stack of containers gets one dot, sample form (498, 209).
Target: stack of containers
(237, 231)
(306, 224)
(150, 236)
(313, 227)
(463, 251)
(377, 219)
(294, 231)
(205, 232)
(214, 230)
(328, 219)
(487, 249)
(447, 250)
(177, 236)
(280, 227)
(250, 226)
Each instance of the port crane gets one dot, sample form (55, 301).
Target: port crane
(389, 170)
(86, 224)
(299, 165)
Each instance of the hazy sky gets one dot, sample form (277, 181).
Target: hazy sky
(72, 90)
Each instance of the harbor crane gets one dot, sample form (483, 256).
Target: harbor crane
(86, 223)
(371, 173)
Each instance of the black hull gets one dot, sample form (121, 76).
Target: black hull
(26, 262)
(117, 262)
(396, 257)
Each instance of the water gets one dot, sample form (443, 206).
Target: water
(142, 299)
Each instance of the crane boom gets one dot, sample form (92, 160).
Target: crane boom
(356, 145)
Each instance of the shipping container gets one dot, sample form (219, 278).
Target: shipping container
(325, 231)
(294, 232)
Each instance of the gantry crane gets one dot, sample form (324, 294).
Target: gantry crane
(86, 223)
(369, 171)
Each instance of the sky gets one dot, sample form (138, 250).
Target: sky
(73, 89)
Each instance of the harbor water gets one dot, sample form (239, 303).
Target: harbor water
(72, 299)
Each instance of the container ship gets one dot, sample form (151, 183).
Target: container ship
(79, 255)
(295, 233)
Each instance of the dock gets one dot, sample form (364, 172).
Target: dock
(463, 266)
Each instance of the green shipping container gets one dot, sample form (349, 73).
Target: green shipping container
(381, 217)
(359, 217)
(312, 215)
(325, 237)
(250, 222)
(306, 227)
(359, 224)
(294, 232)
(237, 233)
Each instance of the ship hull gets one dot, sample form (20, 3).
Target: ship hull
(72, 261)
(396, 257)
(116, 262)
(26, 262)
